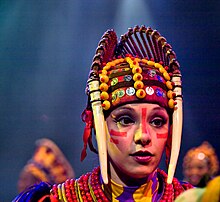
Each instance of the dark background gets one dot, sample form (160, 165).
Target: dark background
(46, 49)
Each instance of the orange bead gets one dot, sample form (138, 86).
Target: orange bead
(106, 105)
(103, 87)
(169, 85)
(137, 77)
(104, 95)
(171, 103)
(140, 93)
(104, 78)
(158, 65)
(136, 69)
(138, 84)
(166, 76)
(170, 94)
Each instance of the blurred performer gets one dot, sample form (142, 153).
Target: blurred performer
(47, 164)
(200, 164)
(210, 193)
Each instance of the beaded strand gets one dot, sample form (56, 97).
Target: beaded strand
(89, 188)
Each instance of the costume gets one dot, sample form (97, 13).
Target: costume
(47, 164)
(89, 188)
(140, 68)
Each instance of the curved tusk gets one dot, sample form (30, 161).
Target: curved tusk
(177, 129)
(100, 129)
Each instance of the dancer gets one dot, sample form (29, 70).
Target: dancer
(135, 111)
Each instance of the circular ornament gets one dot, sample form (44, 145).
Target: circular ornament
(130, 91)
(149, 90)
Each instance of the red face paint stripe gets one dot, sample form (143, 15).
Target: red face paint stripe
(116, 133)
(162, 135)
(113, 140)
(143, 120)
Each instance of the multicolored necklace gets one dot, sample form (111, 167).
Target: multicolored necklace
(88, 188)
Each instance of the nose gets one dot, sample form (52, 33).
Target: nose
(142, 135)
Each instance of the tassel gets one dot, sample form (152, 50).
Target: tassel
(88, 119)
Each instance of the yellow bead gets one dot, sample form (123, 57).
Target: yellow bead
(151, 63)
(144, 61)
(158, 65)
(169, 85)
(138, 84)
(104, 72)
(140, 93)
(107, 67)
(137, 69)
(162, 70)
(106, 105)
(137, 77)
(104, 95)
(170, 94)
(171, 103)
(103, 87)
(166, 76)
(104, 78)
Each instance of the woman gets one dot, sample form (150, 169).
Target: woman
(134, 91)
(200, 164)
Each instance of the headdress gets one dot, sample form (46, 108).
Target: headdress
(204, 151)
(141, 67)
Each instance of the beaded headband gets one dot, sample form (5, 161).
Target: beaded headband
(141, 67)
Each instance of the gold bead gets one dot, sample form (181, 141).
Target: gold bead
(106, 105)
(170, 94)
(136, 69)
(138, 84)
(169, 85)
(158, 65)
(137, 77)
(151, 63)
(103, 87)
(104, 78)
(171, 103)
(166, 76)
(104, 95)
(140, 93)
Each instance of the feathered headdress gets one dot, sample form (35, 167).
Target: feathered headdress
(141, 67)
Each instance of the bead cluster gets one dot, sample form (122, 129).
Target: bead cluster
(88, 188)
(138, 87)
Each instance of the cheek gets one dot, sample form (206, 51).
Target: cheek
(117, 136)
(162, 135)
(117, 142)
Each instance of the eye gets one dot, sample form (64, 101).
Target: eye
(125, 120)
(158, 122)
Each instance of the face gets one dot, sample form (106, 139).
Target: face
(195, 170)
(136, 139)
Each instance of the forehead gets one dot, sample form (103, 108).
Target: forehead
(139, 106)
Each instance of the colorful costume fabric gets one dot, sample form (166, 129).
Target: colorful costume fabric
(89, 187)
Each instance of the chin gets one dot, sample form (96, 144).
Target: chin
(140, 173)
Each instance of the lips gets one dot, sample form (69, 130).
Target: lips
(142, 156)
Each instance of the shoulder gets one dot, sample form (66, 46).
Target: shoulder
(35, 193)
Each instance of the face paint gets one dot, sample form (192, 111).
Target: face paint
(143, 120)
(162, 135)
(116, 133)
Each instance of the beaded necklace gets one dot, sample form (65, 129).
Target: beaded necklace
(88, 188)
